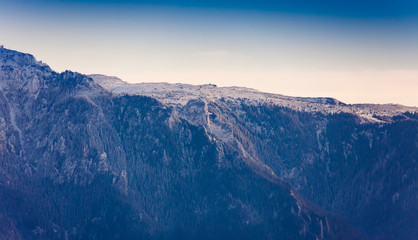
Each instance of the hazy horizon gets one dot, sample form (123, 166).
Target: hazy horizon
(364, 52)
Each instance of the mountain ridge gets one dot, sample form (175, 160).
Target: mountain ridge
(180, 94)
(210, 166)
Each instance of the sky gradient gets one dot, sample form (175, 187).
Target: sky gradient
(355, 51)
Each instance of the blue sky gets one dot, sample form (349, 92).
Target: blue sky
(341, 8)
(356, 51)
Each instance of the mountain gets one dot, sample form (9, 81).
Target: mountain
(355, 161)
(93, 157)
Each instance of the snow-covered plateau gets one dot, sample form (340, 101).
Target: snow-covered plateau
(179, 94)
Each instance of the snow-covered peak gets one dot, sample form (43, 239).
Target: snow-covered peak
(21, 71)
(18, 59)
(179, 95)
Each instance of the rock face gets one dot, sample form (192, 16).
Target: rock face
(92, 157)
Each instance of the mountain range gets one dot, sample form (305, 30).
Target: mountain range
(94, 157)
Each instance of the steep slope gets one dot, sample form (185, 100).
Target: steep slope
(80, 162)
(357, 161)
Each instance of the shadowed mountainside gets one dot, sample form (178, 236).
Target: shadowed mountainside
(81, 159)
